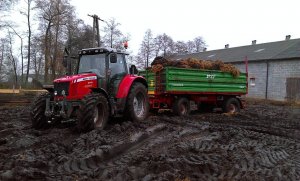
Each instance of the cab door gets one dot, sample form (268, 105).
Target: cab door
(117, 71)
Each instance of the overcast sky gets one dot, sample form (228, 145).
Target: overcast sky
(219, 22)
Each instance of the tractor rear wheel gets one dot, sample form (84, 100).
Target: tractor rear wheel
(93, 112)
(137, 105)
(181, 107)
(37, 113)
(231, 105)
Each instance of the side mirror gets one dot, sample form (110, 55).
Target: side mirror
(113, 58)
(133, 70)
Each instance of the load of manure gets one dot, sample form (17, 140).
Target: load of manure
(160, 62)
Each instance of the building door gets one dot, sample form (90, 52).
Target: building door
(293, 89)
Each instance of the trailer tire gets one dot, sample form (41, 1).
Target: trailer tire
(137, 105)
(37, 113)
(93, 112)
(182, 107)
(231, 105)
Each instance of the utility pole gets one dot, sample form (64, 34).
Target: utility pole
(96, 32)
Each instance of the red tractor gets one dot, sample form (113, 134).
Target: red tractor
(103, 87)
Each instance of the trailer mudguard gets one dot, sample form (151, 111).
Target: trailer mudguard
(126, 84)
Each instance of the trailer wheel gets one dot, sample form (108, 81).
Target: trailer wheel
(93, 112)
(37, 113)
(181, 107)
(231, 105)
(137, 105)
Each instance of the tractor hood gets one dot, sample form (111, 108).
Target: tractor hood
(76, 78)
(75, 87)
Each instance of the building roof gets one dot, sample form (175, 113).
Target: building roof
(287, 49)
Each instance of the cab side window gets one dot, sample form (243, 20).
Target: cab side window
(118, 67)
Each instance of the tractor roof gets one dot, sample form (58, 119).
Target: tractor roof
(100, 50)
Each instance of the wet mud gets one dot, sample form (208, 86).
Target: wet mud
(260, 143)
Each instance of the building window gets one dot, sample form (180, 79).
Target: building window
(252, 81)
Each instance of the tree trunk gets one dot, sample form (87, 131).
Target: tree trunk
(35, 66)
(22, 55)
(29, 40)
(2, 57)
(11, 57)
(22, 58)
(54, 60)
(47, 52)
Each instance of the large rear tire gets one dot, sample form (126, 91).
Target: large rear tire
(93, 112)
(137, 105)
(181, 107)
(37, 113)
(231, 105)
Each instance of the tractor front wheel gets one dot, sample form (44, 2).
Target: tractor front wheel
(137, 105)
(93, 112)
(37, 113)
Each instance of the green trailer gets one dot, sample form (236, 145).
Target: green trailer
(176, 88)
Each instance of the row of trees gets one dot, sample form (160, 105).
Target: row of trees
(164, 45)
(52, 25)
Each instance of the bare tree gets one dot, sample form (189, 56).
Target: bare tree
(147, 47)
(191, 47)
(37, 56)
(180, 47)
(21, 51)
(2, 42)
(53, 16)
(27, 13)
(164, 44)
(5, 8)
(63, 9)
(6, 4)
(199, 44)
(113, 34)
(12, 58)
(138, 61)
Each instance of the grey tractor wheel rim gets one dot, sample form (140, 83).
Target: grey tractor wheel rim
(98, 116)
(139, 105)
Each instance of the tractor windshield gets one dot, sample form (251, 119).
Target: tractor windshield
(92, 64)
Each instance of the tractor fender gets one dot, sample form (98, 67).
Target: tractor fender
(126, 84)
(100, 90)
(49, 88)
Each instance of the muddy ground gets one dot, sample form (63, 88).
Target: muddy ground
(260, 143)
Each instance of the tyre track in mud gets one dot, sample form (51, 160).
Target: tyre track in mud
(248, 165)
(198, 147)
(108, 158)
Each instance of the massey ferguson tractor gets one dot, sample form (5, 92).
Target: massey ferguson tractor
(103, 87)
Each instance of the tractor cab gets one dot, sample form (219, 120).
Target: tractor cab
(109, 66)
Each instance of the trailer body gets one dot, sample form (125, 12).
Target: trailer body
(206, 88)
